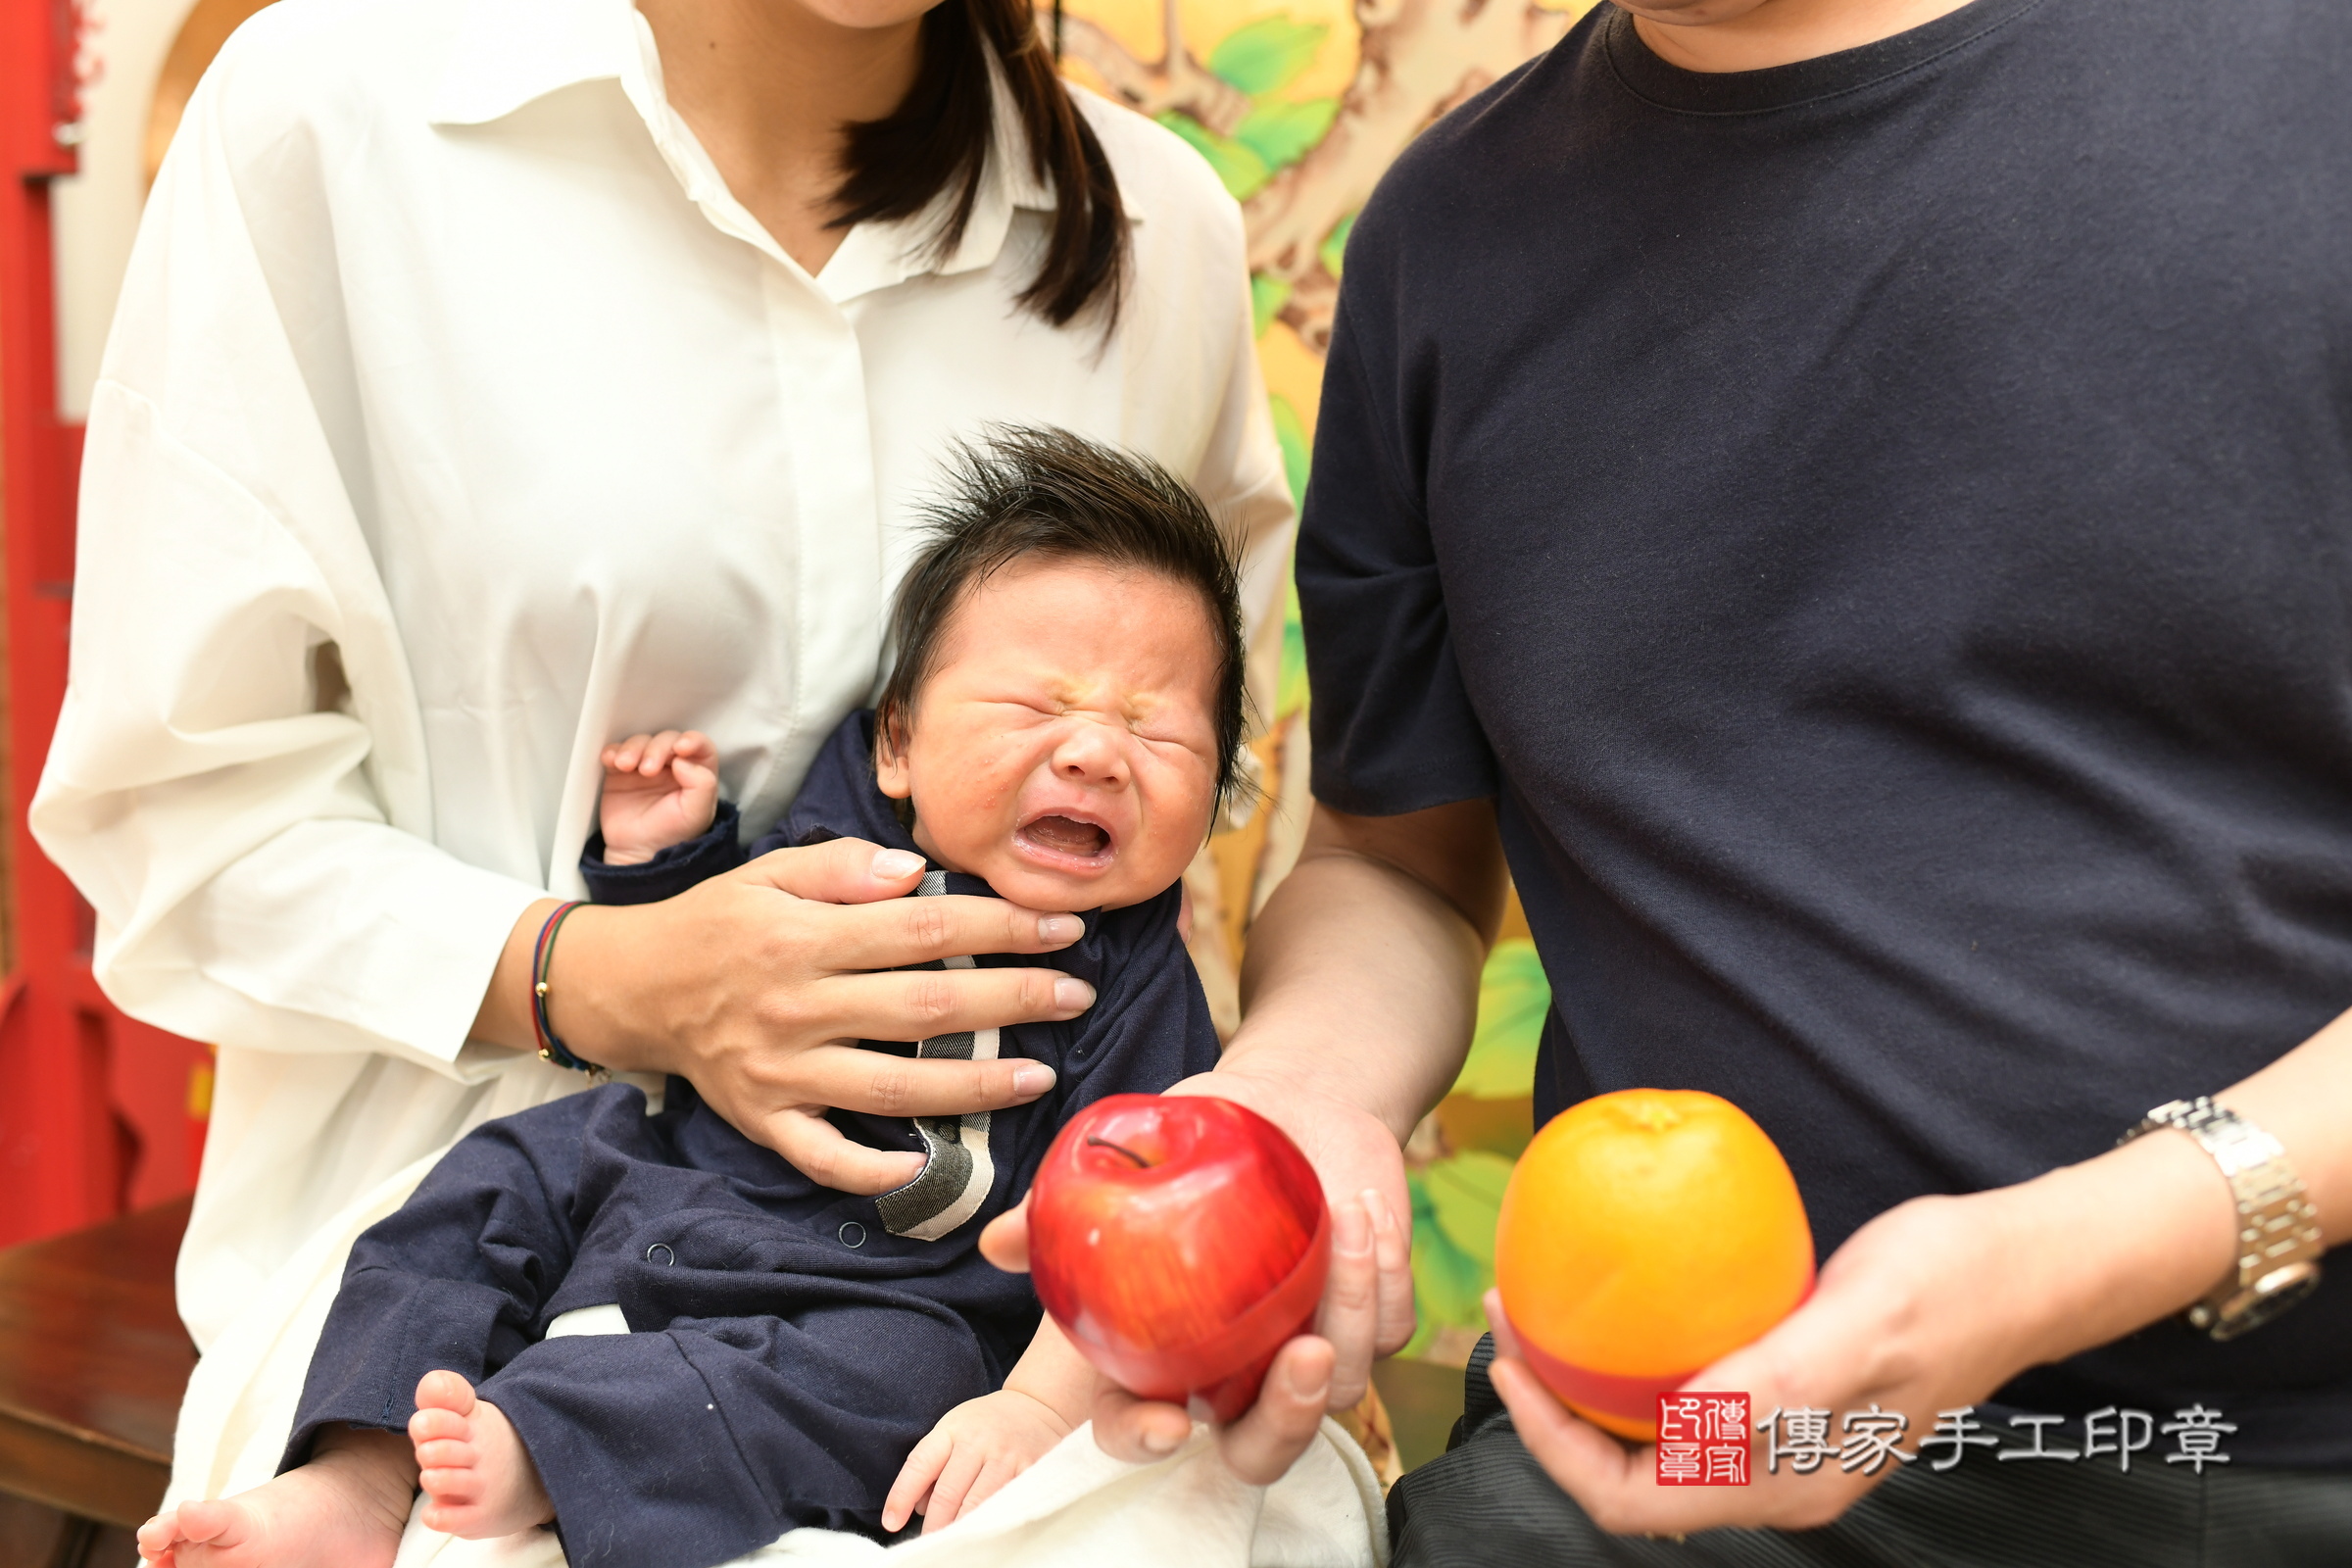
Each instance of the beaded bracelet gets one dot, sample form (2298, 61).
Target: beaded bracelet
(543, 954)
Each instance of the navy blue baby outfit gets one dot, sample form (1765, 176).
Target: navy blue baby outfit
(787, 1350)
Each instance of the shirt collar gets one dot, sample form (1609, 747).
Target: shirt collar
(511, 53)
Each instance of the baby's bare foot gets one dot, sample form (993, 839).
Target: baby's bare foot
(479, 1480)
(344, 1509)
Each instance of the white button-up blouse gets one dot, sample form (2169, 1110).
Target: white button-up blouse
(445, 344)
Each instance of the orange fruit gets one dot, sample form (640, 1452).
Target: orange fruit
(1644, 1235)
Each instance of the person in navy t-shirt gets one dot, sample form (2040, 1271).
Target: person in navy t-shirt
(1854, 499)
(624, 1318)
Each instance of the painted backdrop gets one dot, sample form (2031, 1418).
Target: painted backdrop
(1299, 105)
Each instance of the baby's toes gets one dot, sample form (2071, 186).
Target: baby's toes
(197, 1522)
(433, 1426)
(447, 1455)
(157, 1535)
(451, 1514)
(444, 1391)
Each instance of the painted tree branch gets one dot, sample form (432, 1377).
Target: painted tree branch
(1419, 59)
(1175, 82)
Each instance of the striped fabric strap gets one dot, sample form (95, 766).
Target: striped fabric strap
(958, 1171)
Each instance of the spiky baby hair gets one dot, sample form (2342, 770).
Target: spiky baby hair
(1032, 493)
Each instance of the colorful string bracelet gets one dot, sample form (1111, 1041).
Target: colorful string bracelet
(542, 953)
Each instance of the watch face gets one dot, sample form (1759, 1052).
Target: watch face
(2265, 1299)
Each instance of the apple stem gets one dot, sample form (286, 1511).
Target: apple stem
(1141, 1163)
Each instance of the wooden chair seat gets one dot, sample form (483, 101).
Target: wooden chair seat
(93, 1359)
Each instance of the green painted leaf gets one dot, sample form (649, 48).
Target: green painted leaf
(1513, 996)
(1290, 681)
(1290, 433)
(1242, 170)
(1335, 245)
(1465, 1195)
(1456, 1202)
(1282, 132)
(1449, 1284)
(1264, 55)
(1267, 296)
(1289, 686)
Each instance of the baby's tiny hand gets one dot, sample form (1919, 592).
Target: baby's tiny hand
(975, 1449)
(659, 790)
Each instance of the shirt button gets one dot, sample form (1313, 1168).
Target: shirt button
(666, 1258)
(852, 1234)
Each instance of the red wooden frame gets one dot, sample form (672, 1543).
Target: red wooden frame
(98, 1113)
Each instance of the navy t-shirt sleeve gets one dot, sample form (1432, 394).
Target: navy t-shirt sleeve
(1393, 728)
(669, 873)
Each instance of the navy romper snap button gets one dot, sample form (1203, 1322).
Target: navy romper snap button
(852, 1234)
(667, 1258)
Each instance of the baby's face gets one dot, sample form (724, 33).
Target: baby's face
(1064, 747)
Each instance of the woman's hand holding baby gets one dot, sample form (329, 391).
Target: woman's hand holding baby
(758, 985)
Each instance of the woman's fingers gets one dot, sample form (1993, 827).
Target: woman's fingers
(817, 1149)
(915, 1004)
(907, 931)
(854, 1078)
(844, 871)
(903, 931)
(1262, 1444)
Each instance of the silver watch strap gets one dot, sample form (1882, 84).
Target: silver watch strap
(2278, 1228)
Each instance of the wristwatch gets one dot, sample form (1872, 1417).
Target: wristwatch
(2278, 1243)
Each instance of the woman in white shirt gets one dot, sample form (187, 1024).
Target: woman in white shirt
(498, 378)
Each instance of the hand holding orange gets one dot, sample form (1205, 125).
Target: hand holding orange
(1644, 1235)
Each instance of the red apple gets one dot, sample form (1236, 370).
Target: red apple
(1179, 1242)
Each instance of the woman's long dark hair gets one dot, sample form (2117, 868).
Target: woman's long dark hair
(941, 137)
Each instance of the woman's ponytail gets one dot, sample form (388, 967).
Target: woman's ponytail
(941, 137)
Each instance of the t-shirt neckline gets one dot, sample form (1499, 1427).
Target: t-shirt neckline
(1750, 92)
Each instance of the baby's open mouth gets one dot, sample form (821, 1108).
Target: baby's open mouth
(1064, 835)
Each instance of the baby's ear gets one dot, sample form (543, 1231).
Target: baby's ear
(891, 772)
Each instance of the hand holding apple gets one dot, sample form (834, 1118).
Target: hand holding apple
(1180, 1243)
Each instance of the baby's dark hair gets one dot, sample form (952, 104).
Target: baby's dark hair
(1030, 493)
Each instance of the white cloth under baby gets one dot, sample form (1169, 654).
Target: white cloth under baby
(1077, 1507)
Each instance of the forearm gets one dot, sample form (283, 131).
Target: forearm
(2141, 1232)
(599, 965)
(1053, 1373)
(505, 1015)
(1361, 976)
